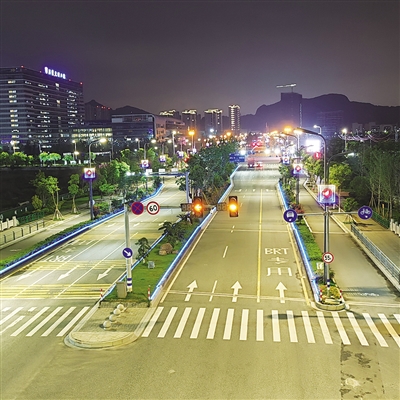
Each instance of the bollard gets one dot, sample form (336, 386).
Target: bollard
(121, 307)
(106, 324)
(148, 293)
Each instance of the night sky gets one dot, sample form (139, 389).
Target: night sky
(159, 55)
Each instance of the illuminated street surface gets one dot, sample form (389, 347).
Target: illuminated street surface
(236, 323)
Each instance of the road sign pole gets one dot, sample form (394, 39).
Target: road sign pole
(326, 242)
(128, 245)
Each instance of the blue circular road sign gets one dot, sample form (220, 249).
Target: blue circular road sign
(365, 212)
(290, 215)
(137, 207)
(127, 252)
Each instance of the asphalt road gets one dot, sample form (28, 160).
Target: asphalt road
(236, 323)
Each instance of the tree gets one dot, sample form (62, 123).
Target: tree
(143, 248)
(339, 174)
(73, 190)
(36, 203)
(5, 159)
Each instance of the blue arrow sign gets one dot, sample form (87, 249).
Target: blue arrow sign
(127, 252)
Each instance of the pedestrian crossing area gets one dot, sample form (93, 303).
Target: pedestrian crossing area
(311, 327)
(34, 321)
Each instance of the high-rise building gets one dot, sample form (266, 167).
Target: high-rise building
(234, 118)
(38, 105)
(191, 119)
(171, 113)
(213, 121)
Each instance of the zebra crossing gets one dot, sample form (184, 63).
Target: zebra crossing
(40, 322)
(260, 325)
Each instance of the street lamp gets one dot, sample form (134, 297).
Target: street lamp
(173, 142)
(102, 140)
(326, 213)
(297, 136)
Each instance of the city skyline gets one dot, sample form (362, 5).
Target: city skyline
(200, 55)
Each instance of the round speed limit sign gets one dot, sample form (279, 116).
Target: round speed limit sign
(153, 208)
(327, 257)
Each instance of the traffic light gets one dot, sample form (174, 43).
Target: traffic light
(89, 173)
(297, 169)
(198, 208)
(326, 194)
(233, 206)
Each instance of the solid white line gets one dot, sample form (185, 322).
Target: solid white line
(341, 330)
(61, 319)
(243, 325)
(27, 323)
(307, 327)
(292, 327)
(213, 290)
(260, 326)
(47, 319)
(213, 324)
(390, 328)
(226, 249)
(167, 322)
(357, 329)
(152, 322)
(197, 323)
(276, 335)
(11, 315)
(73, 321)
(228, 324)
(182, 322)
(324, 328)
(374, 330)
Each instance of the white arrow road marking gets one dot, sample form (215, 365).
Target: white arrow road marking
(281, 288)
(191, 287)
(62, 276)
(269, 271)
(25, 275)
(105, 273)
(235, 288)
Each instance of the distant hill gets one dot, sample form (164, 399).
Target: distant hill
(128, 110)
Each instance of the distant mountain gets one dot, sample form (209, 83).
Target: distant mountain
(277, 114)
(128, 110)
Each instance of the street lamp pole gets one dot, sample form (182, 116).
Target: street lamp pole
(326, 211)
(297, 136)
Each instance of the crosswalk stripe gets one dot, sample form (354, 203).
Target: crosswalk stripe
(58, 322)
(243, 325)
(276, 335)
(30, 321)
(197, 323)
(20, 318)
(213, 324)
(307, 327)
(324, 328)
(341, 330)
(292, 327)
(390, 328)
(17, 310)
(374, 330)
(73, 321)
(260, 326)
(397, 316)
(152, 322)
(167, 322)
(182, 322)
(357, 329)
(228, 324)
(44, 322)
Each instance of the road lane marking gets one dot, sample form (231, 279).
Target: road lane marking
(152, 322)
(197, 323)
(58, 322)
(307, 327)
(20, 318)
(324, 328)
(213, 290)
(167, 322)
(260, 326)
(213, 324)
(228, 324)
(225, 251)
(390, 328)
(73, 321)
(44, 322)
(243, 324)
(11, 315)
(357, 329)
(276, 334)
(292, 327)
(30, 321)
(339, 326)
(259, 252)
(374, 330)
(182, 322)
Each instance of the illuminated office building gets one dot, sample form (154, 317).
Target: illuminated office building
(213, 121)
(234, 118)
(40, 106)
